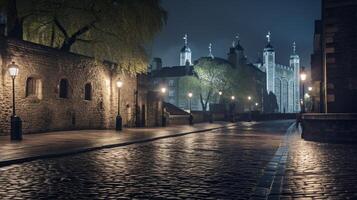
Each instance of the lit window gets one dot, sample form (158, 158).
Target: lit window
(171, 93)
(33, 87)
(171, 83)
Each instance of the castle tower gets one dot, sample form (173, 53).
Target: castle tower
(269, 65)
(185, 53)
(236, 54)
(295, 65)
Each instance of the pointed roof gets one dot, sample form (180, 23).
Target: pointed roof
(185, 48)
(236, 44)
(269, 47)
(294, 54)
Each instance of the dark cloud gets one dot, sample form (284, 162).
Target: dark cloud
(217, 21)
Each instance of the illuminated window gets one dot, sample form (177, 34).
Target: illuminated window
(33, 87)
(171, 83)
(171, 93)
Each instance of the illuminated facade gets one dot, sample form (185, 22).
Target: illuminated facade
(282, 80)
(185, 53)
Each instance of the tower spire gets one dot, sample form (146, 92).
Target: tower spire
(236, 40)
(294, 48)
(185, 38)
(210, 50)
(269, 37)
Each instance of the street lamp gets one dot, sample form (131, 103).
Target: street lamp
(190, 119)
(163, 118)
(220, 96)
(119, 119)
(232, 108)
(16, 123)
(309, 88)
(250, 107)
(303, 79)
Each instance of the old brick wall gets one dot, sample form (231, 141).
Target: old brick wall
(48, 112)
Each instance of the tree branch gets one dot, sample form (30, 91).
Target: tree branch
(61, 28)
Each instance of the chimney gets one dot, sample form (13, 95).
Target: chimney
(156, 64)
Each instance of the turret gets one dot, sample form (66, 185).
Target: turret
(269, 65)
(295, 65)
(185, 53)
(236, 54)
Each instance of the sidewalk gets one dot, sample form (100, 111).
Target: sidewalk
(52, 144)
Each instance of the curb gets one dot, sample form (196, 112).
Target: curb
(89, 149)
(269, 185)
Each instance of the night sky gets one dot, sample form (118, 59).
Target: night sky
(218, 21)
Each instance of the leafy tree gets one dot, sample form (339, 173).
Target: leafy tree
(116, 30)
(189, 84)
(211, 74)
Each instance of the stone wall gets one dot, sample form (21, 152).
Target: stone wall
(332, 127)
(49, 112)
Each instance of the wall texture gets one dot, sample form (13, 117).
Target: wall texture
(47, 111)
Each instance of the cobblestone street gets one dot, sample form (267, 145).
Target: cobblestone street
(320, 171)
(223, 164)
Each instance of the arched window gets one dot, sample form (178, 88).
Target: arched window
(63, 88)
(33, 87)
(88, 92)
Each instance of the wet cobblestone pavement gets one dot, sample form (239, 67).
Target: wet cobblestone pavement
(320, 171)
(221, 164)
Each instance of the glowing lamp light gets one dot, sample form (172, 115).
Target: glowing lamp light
(220, 93)
(249, 98)
(233, 97)
(119, 84)
(163, 90)
(13, 70)
(310, 89)
(303, 76)
(256, 104)
(190, 95)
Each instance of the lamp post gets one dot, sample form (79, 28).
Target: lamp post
(220, 93)
(232, 109)
(190, 119)
(119, 120)
(16, 123)
(250, 107)
(163, 118)
(303, 79)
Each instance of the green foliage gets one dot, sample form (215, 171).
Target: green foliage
(189, 84)
(211, 73)
(242, 82)
(115, 30)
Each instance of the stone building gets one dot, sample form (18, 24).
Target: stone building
(339, 50)
(56, 90)
(282, 80)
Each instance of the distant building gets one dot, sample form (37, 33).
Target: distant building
(339, 55)
(266, 76)
(185, 53)
(172, 79)
(281, 80)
